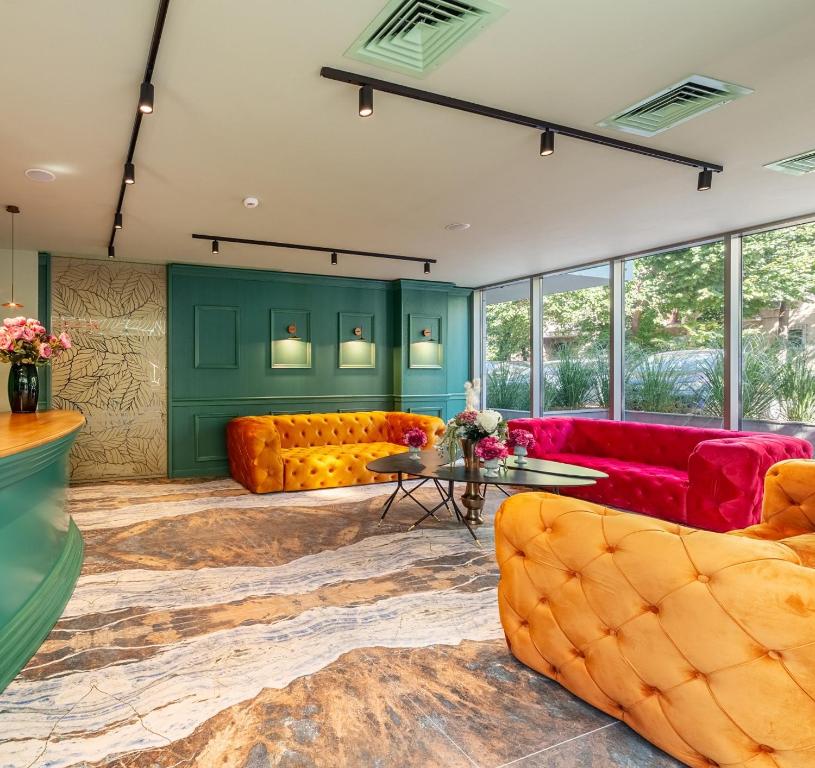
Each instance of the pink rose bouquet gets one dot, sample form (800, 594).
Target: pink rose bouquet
(491, 448)
(26, 341)
(415, 438)
(521, 438)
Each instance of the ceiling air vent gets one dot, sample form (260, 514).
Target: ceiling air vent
(674, 105)
(415, 36)
(797, 165)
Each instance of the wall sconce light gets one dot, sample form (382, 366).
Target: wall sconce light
(427, 334)
(358, 333)
(292, 331)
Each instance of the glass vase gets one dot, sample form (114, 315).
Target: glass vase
(519, 451)
(23, 387)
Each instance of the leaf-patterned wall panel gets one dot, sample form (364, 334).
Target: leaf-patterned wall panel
(115, 374)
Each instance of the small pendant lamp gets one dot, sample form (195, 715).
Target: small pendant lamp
(12, 304)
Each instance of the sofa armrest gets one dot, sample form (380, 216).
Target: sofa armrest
(254, 450)
(399, 423)
(551, 434)
(789, 501)
(726, 478)
(682, 634)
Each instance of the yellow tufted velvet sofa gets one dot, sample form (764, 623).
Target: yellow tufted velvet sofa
(319, 450)
(702, 642)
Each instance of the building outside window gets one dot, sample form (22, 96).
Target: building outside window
(674, 336)
(575, 326)
(778, 314)
(508, 348)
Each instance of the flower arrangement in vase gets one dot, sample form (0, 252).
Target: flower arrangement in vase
(469, 427)
(491, 450)
(520, 441)
(415, 439)
(26, 344)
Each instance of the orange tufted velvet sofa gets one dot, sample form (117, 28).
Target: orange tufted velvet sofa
(318, 450)
(702, 642)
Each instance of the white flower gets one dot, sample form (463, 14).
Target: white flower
(489, 421)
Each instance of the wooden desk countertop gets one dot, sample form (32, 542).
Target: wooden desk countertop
(22, 431)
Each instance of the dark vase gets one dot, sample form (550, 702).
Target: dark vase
(23, 387)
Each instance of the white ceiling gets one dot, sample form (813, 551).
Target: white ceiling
(241, 110)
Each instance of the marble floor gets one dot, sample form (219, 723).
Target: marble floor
(212, 627)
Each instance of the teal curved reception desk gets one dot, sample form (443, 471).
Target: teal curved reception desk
(40, 546)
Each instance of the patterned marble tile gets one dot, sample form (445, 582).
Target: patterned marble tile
(495, 708)
(212, 627)
(616, 746)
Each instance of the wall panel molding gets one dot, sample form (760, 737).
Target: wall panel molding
(216, 338)
(203, 399)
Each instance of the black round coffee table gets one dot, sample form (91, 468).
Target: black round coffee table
(432, 467)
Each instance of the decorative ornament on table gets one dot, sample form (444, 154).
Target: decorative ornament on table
(520, 442)
(472, 395)
(491, 450)
(415, 439)
(26, 344)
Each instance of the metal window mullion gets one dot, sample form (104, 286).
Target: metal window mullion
(732, 332)
(617, 340)
(479, 330)
(536, 348)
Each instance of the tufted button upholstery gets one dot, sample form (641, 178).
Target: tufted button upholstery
(702, 642)
(320, 450)
(708, 478)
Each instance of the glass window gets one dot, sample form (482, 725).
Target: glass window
(778, 315)
(674, 334)
(575, 326)
(508, 349)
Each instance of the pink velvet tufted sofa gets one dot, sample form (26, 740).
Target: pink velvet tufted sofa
(706, 478)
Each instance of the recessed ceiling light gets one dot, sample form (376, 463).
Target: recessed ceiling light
(457, 227)
(39, 174)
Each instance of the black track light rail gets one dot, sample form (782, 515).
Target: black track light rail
(318, 248)
(440, 100)
(158, 29)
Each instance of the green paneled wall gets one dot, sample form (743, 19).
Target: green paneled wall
(222, 323)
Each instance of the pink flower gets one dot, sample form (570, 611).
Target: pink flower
(10, 322)
(6, 342)
(38, 329)
(521, 438)
(65, 340)
(45, 351)
(27, 334)
(16, 332)
(415, 438)
(467, 417)
(490, 448)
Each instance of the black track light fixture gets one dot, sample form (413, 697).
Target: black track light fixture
(705, 179)
(547, 142)
(334, 259)
(215, 248)
(111, 252)
(427, 267)
(146, 96)
(130, 173)
(366, 101)
(118, 223)
(367, 85)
